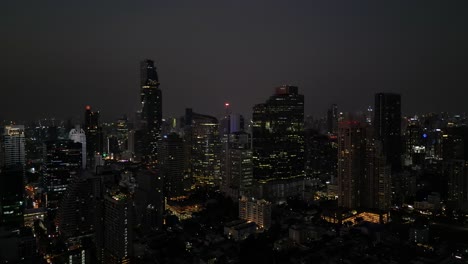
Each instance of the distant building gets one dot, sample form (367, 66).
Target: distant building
(78, 135)
(237, 165)
(201, 137)
(14, 146)
(171, 162)
(94, 135)
(62, 161)
(240, 230)
(364, 178)
(118, 228)
(258, 211)
(332, 119)
(387, 124)
(456, 173)
(151, 109)
(278, 136)
(12, 177)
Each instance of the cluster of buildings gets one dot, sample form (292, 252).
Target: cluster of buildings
(84, 193)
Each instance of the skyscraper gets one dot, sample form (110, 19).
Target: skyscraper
(14, 146)
(332, 119)
(62, 161)
(171, 162)
(93, 132)
(351, 158)
(12, 177)
(278, 136)
(118, 227)
(201, 135)
(387, 125)
(151, 109)
(237, 165)
(363, 173)
(78, 135)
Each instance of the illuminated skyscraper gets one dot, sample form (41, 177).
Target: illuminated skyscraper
(278, 136)
(387, 125)
(203, 147)
(78, 135)
(237, 165)
(14, 146)
(151, 109)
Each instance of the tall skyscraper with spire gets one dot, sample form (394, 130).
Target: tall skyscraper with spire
(151, 109)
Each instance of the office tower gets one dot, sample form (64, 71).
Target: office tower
(14, 146)
(332, 119)
(364, 178)
(93, 132)
(151, 109)
(258, 211)
(77, 213)
(413, 139)
(387, 125)
(278, 136)
(171, 163)
(118, 227)
(78, 135)
(376, 188)
(321, 154)
(351, 158)
(12, 177)
(62, 161)
(203, 145)
(237, 165)
(456, 173)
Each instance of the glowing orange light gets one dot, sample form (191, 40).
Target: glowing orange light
(88, 107)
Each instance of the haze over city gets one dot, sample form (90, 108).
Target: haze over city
(58, 57)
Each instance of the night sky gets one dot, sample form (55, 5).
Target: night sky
(58, 56)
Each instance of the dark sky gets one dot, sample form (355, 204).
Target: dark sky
(58, 56)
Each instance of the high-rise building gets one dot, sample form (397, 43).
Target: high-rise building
(94, 136)
(118, 227)
(237, 165)
(14, 146)
(387, 126)
(202, 147)
(376, 188)
(12, 177)
(332, 119)
(258, 211)
(77, 213)
(171, 163)
(78, 135)
(364, 179)
(278, 136)
(62, 161)
(151, 109)
(351, 158)
(456, 173)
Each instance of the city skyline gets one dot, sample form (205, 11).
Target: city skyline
(333, 52)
